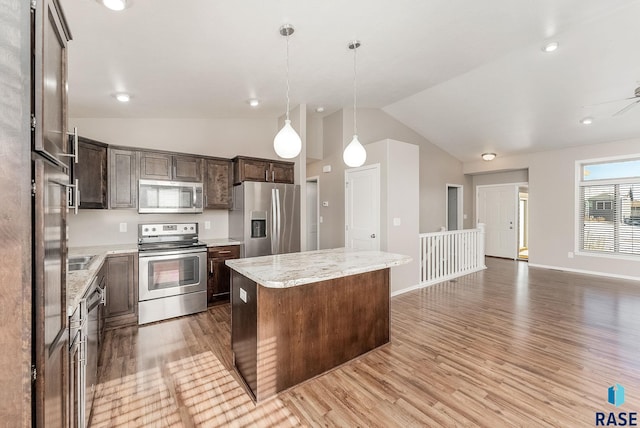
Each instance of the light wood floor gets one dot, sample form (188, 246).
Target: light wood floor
(509, 346)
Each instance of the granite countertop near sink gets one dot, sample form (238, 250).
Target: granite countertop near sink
(293, 269)
(220, 242)
(78, 281)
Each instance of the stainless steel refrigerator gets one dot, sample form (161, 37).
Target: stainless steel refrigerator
(266, 218)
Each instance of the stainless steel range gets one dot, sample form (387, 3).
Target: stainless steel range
(172, 272)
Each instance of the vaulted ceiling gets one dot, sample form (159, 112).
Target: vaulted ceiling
(469, 76)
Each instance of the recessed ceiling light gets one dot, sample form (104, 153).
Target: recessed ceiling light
(116, 5)
(586, 121)
(319, 109)
(253, 102)
(550, 47)
(123, 98)
(488, 156)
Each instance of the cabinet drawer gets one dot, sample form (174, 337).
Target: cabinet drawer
(226, 252)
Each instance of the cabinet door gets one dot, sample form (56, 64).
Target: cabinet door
(281, 172)
(217, 183)
(123, 180)
(156, 166)
(219, 281)
(122, 290)
(251, 170)
(50, 82)
(187, 168)
(91, 172)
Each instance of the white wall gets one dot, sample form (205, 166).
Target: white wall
(400, 178)
(552, 218)
(211, 137)
(436, 169)
(102, 227)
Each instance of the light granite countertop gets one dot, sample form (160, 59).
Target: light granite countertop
(290, 270)
(78, 281)
(220, 242)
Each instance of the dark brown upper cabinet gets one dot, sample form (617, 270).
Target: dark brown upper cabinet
(167, 166)
(91, 173)
(254, 169)
(123, 178)
(217, 183)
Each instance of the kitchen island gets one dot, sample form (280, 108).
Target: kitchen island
(295, 316)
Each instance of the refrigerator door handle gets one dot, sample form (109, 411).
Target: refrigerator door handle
(274, 244)
(278, 220)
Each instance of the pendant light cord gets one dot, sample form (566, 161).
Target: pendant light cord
(355, 128)
(288, 87)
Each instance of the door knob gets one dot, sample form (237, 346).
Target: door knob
(373, 235)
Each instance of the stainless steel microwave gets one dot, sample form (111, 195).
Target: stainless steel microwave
(156, 196)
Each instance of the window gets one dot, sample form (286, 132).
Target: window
(608, 212)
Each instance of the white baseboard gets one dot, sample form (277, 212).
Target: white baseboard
(406, 290)
(587, 272)
(438, 281)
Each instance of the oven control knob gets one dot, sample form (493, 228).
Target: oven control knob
(146, 229)
(185, 228)
(153, 230)
(191, 227)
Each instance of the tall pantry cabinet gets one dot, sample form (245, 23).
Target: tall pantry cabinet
(51, 158)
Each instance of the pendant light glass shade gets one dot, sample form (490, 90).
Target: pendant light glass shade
(354, 154)
(287, 143)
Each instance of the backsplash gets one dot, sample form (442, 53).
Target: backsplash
(102, 227)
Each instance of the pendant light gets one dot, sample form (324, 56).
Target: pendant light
(287, 143)
(354, 154)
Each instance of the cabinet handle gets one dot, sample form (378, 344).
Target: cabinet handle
(266, 175)
(211, 266)
(273, 175)
(73, 155)
(224, 252)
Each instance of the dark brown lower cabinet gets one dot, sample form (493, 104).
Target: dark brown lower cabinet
(122, 290)
(219, 274)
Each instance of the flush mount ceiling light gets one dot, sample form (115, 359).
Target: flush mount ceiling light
(116, 5)
(488, 156)
(319, 109)
(253, 102)
(354, 154)
(586, 121)
(550, 47)
(287, 142)
(123, 98)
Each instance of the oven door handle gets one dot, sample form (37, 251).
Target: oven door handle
(178, 252)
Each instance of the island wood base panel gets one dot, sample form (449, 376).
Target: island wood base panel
(283, 336)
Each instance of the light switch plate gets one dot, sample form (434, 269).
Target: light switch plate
(243, 295)
(397, 221)
(123, 227)
(207, 225)
(321, 219)
(326, 168)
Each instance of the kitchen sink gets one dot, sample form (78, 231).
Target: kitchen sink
(79, 262)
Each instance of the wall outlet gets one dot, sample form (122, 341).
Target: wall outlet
(123, 227)
(243, 295)
(207, 225)
(325, 203)
(570, 254)
(397, 221)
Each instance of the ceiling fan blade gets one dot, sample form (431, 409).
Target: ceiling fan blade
(627, 108)
(611, 101)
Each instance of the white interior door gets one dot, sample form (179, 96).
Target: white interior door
(312, 214)
(362, 208)
(497, 210)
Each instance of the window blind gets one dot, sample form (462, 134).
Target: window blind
(609, 216)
